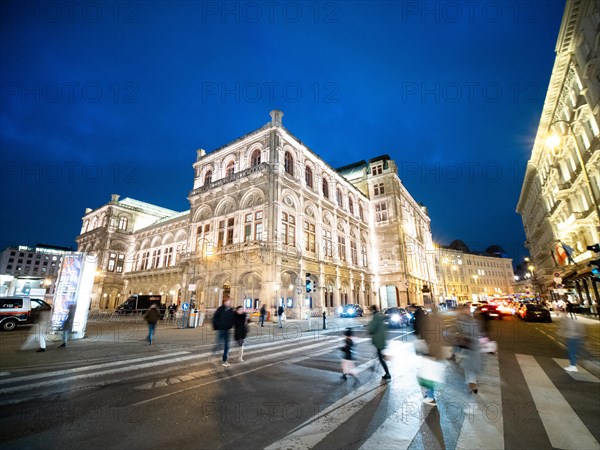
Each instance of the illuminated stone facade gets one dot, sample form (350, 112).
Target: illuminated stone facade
(559, 197)
(466, 276)
(266, 216)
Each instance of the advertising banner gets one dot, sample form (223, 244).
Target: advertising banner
(74, 293)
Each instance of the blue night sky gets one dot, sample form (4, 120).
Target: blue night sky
(101, 98)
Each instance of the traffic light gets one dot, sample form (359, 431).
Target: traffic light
(308, 283)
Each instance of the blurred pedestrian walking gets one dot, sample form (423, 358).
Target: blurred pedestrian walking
(222, 323)
(348, 366)
(152, 316)
(240, 329)
(468, 343)
(378, 332)
(67, 324)
(573, 332)
(263, 314)
(431, 372)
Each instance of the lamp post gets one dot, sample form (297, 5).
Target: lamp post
(554, 140)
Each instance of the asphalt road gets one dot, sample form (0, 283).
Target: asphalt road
(112, 390)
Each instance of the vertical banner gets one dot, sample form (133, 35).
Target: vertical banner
(74, 290)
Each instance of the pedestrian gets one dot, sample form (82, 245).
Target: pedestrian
(152, 317)
(240, 329)
(222, 323)
(430, 331)
(67, 325)
(40, 317)
(468, 343)
(417, 321)
(172, 309)
(571, 310)
(280, 312)
(348, 367)
(573, 332)
(378, 334)
(263, 314)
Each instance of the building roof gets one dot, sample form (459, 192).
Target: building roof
(148, 208)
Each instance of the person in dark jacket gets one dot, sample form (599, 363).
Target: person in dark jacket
(378, 333)
(222, 323)
(348, 367)
(418, 321)
(240, 329)
(151, 317)
(263, 314)
(280, 312)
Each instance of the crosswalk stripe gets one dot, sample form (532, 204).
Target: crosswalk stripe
(400, 428)
(314, 430)
(554, 410)
(483, 426)
(85, 368)
(580, 375)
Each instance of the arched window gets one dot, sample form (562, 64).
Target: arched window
(255, 159)
(208, 177)
(309, 177)
(325, 188)
(338, 196)
(230, 170)
(288, 163)
(123, 223)
(351, 205)
(361, 212)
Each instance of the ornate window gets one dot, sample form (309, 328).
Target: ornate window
(342, 248)
(381, 214)
(155, 259)
(255, 159)
(353, 253)
(351, 205)
(168, 256)
(338, 196)
(327, 244)
(377, 169)
(208, 177)
(288, 229)
(325, 188)
(308, 175)
(288, 163)
(225, 235)
(361, 212)
(253, 226)
(378, 189)
(230, 170)
(309, 237)
(123, 223)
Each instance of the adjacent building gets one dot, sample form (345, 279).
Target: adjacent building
(559, 201)
(268, 217)
(467, 276)
(23, 268)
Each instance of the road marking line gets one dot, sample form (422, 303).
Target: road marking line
(228, 377)
(563, 426)
(315, 429)
(483, 425)
(84, 368)
(204, 372)
(580, 375)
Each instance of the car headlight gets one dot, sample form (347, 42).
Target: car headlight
(395, 318)
(350, 310)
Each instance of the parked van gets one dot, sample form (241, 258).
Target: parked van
(17, 311)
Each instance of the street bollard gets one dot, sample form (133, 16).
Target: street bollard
(324, 320)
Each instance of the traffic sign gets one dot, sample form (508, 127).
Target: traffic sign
(185, 306)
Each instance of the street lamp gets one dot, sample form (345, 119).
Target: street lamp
(553, 141)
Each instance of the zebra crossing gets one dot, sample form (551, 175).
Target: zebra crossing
(392, 414)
